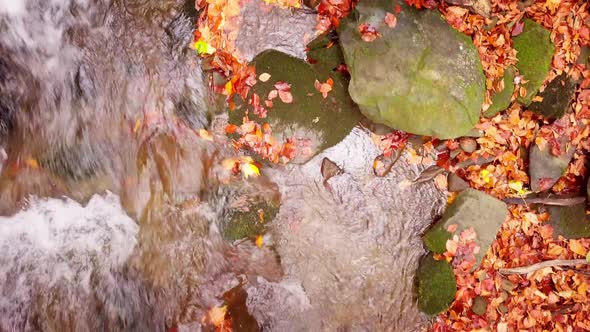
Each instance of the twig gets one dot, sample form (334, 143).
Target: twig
(547, 201)
(542, 265)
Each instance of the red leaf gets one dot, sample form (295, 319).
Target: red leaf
(517, 29)
(368, 33)
(390, 20)
(286, 96)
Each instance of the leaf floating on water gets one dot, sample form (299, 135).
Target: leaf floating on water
(429, 174)
(329, 169)
(259, 241)
(249, 170)
(390, 20)
(216, 315)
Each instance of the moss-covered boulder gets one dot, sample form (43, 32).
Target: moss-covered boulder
(436, 285)
(501, 99)
(421, 76)
(545, 168)
(535, 52)
(571, 222)
(319, 122)
(471, 208)
(556, 98)
(249, 224)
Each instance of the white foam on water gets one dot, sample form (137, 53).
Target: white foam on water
(57, 240)
(12, 7)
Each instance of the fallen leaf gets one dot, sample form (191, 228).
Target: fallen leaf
(264, 77)
(216, 315)
(390, 20)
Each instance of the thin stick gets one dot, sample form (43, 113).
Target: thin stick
(542, 265)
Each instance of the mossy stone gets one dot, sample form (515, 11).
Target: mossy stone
(422, 76)
(324, 122)
(242, 225)
(436, 285)
(534, 53)
(502, 99)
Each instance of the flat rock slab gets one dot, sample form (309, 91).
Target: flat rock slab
(545, 168)
(557, 97)
(421, 76)
(471, 208)
(263, 27)
(571, 222)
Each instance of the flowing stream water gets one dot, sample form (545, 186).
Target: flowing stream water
(113, 208)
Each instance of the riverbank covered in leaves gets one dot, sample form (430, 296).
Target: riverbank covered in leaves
(490, 95)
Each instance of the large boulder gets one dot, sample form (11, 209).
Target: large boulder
(321, 122)
(421, 76)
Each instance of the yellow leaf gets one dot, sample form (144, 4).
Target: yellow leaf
(250, 170)
(552, 4)
(229, 88)
(32, 163)
(259, 241)
(216, 315)
(583, 288)
(486, 176)
(202, 47)
(205, 135)
(577, 247)
(137, 126)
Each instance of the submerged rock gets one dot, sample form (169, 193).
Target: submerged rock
(571, 222)
(545, 168)
(501, 100)
(249, 224)
(472, 208)
(422, 76)
(436, 285)
(315, 122)
(535, 52)
(557, 97)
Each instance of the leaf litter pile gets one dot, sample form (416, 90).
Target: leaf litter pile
(550, 298)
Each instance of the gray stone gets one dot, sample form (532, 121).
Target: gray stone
(571, 222)
(422, 76)
(557, 97)
(545, 168)
(471, 208)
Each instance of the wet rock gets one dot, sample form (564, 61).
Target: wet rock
(557, 97)
(456, 183)
(263, 26)
(545, 168)
(317, 122)
(249, 224)
(535, 52)
(471, 208)
(481, 7)
(571, 222)
(422, 76)
(436, 285)
(501, 100)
